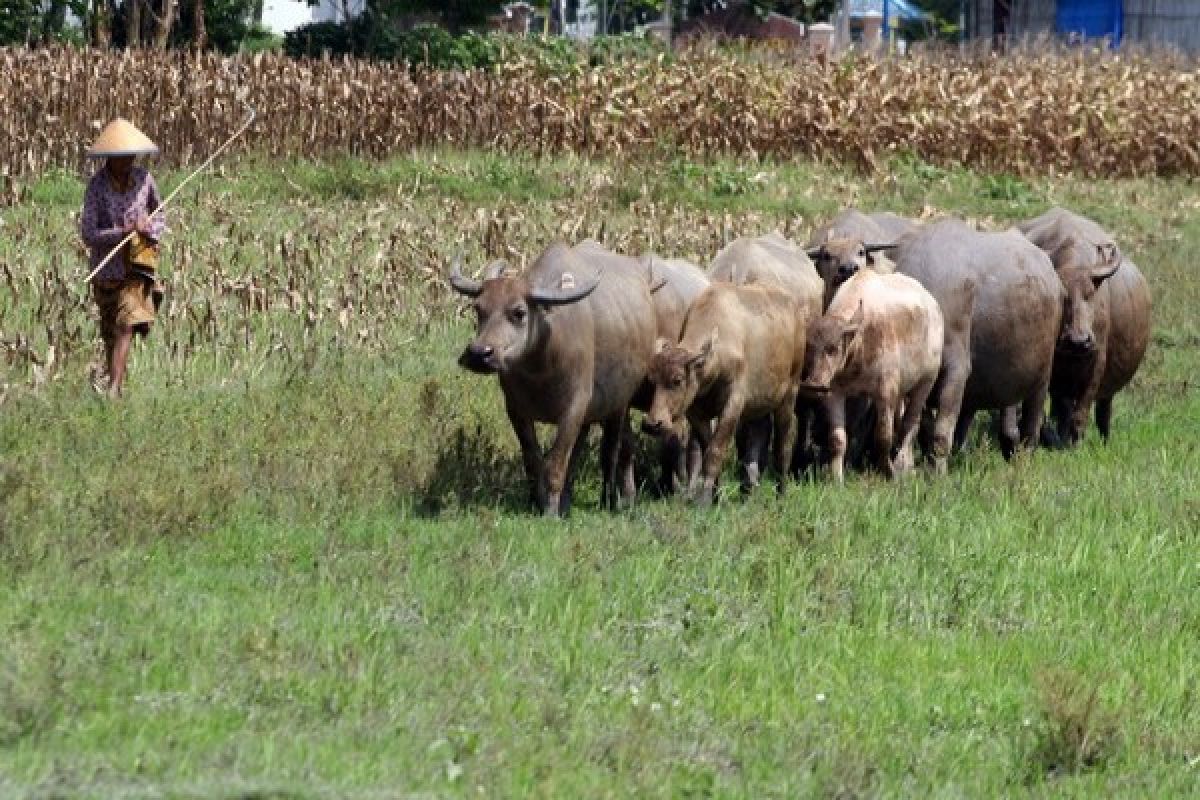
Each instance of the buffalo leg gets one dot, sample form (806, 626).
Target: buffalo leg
(885, 418)
(1033, 411)
(804, 451)
(531, 455)
(610, 458)
(1078, 420)
(962, 428)
(1104, 416)
(695, 454)
(554, 471)
(785, 440)
(951, 384)
(672, 462)
(752, 439)
(907, 422)
(702, 431)
(835, 414)
(625, 463)
(714, 456)
(1007, 431)
(568, 494)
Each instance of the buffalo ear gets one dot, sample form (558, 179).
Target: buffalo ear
(702, 356)
(815, 253)
(854, 324)
(1110, 254)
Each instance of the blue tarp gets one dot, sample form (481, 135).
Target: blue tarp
(897, 9)
(1091, 18)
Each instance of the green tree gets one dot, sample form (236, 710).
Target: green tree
(18, 21)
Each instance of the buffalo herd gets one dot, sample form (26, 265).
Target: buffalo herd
(880, 335)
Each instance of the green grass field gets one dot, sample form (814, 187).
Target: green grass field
(295, 561)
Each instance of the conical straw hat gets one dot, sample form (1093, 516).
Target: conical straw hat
(121, 138)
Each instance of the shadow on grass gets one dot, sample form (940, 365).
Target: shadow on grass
(471, 472)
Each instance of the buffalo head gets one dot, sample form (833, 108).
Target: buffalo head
(1083, 268)
(840, 258)
(676, 374)
(511, 314)
(829, 341)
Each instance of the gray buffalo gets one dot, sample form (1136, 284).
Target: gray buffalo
(1107, 318)
(852, 241)
(570, 341)
(1002, 307)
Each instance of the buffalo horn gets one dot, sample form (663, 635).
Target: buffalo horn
(655, 283)
(562, 297)
(875, 248)
(462, 284)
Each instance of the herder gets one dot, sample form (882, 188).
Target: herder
(120, 199)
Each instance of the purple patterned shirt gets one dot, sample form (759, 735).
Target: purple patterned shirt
(107, 212)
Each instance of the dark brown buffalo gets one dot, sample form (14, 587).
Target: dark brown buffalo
(570, 341)
(1002, 307)
(738, 359)
(1104, 318)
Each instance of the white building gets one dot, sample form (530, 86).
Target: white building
(281, 16)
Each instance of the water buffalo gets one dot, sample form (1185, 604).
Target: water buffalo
(1104, 318)
(674, 285)
(1002, 306)
(738, 359)
(570, 341)
(882, 339)
(770, 260)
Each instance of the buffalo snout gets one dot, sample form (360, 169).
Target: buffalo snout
(845, 272)
(653, 427)
(479, 358)
(1080, 343)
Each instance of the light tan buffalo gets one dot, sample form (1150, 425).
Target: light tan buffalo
(738, 360)
(773, 260)
(880, 339)
(674, 285)
(570, 341)
(1001, 304)
(1106, 321)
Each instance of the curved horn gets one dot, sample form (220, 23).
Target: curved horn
(562, 297)
(495, 269)
(875, 248)
(463, 285)
(655, 285)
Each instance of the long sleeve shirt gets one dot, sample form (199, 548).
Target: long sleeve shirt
(108, 213)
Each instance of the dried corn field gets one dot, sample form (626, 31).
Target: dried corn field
(1090, 113)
